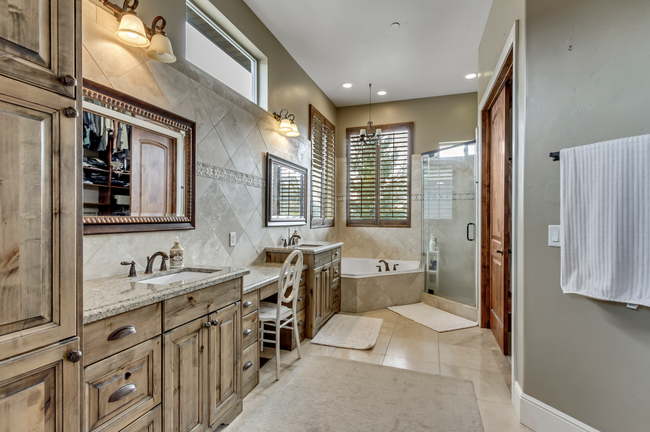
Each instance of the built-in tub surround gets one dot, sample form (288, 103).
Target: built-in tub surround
(364, 288)
(232, 136)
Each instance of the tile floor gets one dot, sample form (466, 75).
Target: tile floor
(470, 354)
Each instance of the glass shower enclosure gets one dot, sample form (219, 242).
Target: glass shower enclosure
(449, 221)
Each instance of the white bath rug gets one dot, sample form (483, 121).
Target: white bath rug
(433, 318)
(347, 331)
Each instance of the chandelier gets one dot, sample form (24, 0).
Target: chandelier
(370, 135)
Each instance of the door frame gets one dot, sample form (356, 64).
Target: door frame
(510, 50)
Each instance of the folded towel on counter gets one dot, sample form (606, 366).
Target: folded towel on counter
(605, 220)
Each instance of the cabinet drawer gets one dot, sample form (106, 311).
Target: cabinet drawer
(250, 329)
(123, 387)
(322, 258)
(111, 335)
(301, 302)
(250, 362)
(250, 302)
(150, 422)
(183, 309)
(303, 278)
(336, 272)
(336, 254)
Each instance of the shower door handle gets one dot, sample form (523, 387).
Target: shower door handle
(473, 231)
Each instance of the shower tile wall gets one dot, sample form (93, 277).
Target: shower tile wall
(233, 135)
(381, 243)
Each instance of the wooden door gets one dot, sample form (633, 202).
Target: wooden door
(185, 375)
(224, 360)
(152, 174)
(499, 216)
(39, 392)
(37, 43)
(38, 218)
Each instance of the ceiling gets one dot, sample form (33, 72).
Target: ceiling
(339, 41)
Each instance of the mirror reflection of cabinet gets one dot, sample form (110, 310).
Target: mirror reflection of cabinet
(138, 165)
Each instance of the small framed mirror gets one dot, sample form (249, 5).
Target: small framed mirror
(286, 192)
(138, 164)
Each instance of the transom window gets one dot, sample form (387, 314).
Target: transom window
(379, 177)
(209, 47)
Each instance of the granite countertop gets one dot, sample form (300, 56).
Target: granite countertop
(263, 274)
(111, 296)
(312, 250)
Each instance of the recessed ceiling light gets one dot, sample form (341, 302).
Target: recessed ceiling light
(347, 85)
(471, 76)
(381, 93)
(395, 25)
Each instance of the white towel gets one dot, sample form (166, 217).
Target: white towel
(605, 220)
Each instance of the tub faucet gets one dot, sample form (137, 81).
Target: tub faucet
(385, 263)
(150, 260)
(395, 267)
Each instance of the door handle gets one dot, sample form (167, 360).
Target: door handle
(474, 231)
(500, 251)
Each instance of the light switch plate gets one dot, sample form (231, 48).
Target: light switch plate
(554, 235)
(233, 239)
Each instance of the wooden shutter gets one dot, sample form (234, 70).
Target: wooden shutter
(323, 180)
(379, 178)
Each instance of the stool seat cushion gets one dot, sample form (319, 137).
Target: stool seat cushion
(268, 311)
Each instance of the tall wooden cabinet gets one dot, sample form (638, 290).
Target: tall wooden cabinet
(39, 217)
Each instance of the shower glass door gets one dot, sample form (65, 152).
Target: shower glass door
(449, 221)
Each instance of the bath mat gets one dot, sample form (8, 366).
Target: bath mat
(325, 394)
(347, 331)
(433, 318)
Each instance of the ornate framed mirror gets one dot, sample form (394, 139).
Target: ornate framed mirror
(138, 163)
(286, 192)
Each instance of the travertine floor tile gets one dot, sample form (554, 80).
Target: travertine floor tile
(473, 358)
(414, 331)
(473, 338)
(413, 349)
(489, 386)
(358, 355)
(499, 418)
(416, 365)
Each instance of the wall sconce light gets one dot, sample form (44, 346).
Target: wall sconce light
(286, 123)
(132, 31)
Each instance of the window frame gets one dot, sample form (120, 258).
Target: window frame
(322, 222)
(254, 63)
(378, 222)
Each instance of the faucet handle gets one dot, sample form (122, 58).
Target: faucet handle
(132, 271)
(163, 263)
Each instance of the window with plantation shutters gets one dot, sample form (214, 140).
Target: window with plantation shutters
(379, 177)
(322, 137)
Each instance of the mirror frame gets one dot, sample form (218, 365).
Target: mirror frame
(168, 120)
(272, 160)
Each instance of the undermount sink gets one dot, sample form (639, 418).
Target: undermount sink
(184, 277)
(307, 245)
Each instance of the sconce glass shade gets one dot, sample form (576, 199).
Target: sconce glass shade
(285, 125)
(161, 49)
(294, 131)
(131, 31)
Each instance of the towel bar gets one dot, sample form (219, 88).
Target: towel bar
(555, 156)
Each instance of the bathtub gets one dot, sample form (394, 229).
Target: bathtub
(364, 288)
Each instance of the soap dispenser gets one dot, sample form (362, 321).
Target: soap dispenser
(176, 255)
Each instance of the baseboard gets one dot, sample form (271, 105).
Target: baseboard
(543, 418)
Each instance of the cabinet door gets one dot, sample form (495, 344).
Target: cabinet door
(224, 359)
(38, 216)
(150, 422)
(37, 43)
(316, 298)
(39, 392)
(185, 378)
(327, 290)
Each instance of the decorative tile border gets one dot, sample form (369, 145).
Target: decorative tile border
(217, 173)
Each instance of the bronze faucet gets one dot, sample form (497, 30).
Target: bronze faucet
(294, 238)
(150, 260)
(384, 261)
(132, 271)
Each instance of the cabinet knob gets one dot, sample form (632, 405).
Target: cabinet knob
(336, 254)
(248, 365)
(207, 324)
(214, 322)
(247, 332)
(300, 322)
(301, 280)
(248, 304)
(299, 298)
(70, 112)
(336, 272)
(74, 356)
(68, 81)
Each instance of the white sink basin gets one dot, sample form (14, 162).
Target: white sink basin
(184, 276)
(308, 246)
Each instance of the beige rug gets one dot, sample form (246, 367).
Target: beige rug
(325, 394)
(348, 331)
(433, 318)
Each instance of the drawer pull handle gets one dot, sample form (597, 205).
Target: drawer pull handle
(336, 272)
(248, 304)
(299, 299)
(248, 365)
(214, 322)
(336, 254)
(122, 332)
(302, 280)
(122, 392)
(300, 322)
(247, 332)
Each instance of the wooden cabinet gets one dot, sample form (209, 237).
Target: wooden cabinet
(320, 295)
(39, 392)
(150, 422)
(38, 218)
(37, 43)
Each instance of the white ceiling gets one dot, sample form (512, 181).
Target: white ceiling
(338, 41)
